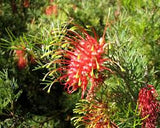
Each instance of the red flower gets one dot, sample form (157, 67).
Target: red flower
(22, 62)
(84, 62)
(148, 106)
(52, 9)
(19, 53)
(26, 3)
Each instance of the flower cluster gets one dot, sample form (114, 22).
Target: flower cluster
(84, 62)
(148, 106)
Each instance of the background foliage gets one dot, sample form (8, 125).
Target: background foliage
(134, 38)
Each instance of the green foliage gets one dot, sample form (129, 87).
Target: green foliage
(8, 96)
(132, 43)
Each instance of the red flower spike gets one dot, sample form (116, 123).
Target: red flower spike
(83, 61)
(148, 106)
(22, 63)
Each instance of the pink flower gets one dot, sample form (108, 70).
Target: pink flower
(148, 106)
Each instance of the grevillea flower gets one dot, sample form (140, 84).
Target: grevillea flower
(83, 63)
(52, 9)
(94, 114)
(148, 106)
(22, 61)
(19, 53)
(26, 3)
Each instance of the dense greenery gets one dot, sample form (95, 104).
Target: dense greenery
(32, 33)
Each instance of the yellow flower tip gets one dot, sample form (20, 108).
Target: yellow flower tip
(79, 82)
(48, 91)
(122, 69)
(92, 49)
(92, 73)
(77, 75)
(97, 65)
(68, 79)
(78, 57)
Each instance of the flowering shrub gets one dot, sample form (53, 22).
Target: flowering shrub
(80, 61)
(148, 106)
